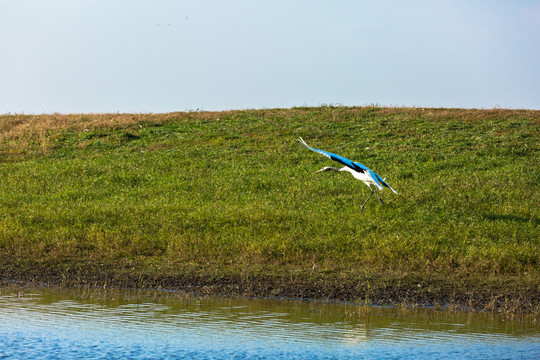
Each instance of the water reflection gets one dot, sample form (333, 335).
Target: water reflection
(51, 324)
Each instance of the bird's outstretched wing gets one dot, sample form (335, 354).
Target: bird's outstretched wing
(340, 159)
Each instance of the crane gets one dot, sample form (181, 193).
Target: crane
(359, 171)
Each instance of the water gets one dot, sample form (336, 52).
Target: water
(48, 324)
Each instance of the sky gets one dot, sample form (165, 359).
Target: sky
(138, 56)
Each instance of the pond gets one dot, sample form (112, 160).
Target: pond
(52, 324)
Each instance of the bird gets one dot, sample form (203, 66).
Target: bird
(359, 171)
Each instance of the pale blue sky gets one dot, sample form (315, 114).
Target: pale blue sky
(158, 56)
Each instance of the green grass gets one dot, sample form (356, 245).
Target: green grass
(235, 193)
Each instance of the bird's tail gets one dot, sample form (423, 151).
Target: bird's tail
(383, 181)
(395, 192)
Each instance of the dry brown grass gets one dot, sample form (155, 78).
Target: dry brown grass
(19, 126)
(442, 114)
(16, 126)
(23, 135)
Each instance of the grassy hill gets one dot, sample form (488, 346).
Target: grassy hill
(228, 202)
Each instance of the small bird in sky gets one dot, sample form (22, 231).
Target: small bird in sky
(359, 171)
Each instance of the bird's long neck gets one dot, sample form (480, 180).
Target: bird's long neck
(328, 168)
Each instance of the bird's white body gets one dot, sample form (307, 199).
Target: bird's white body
(365, 177)
(362, 176)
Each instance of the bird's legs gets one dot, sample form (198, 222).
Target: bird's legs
(361, 211)
(379, 196)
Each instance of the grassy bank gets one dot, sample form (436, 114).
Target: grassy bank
(229, 201)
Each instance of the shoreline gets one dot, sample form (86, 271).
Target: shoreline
(411, 291)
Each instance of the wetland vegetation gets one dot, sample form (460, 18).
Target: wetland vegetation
(228, 202)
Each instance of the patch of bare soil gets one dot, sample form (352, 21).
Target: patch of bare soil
(411, 291)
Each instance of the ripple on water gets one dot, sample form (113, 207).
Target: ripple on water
(45, 325)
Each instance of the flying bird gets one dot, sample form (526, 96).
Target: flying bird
(359, 171)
